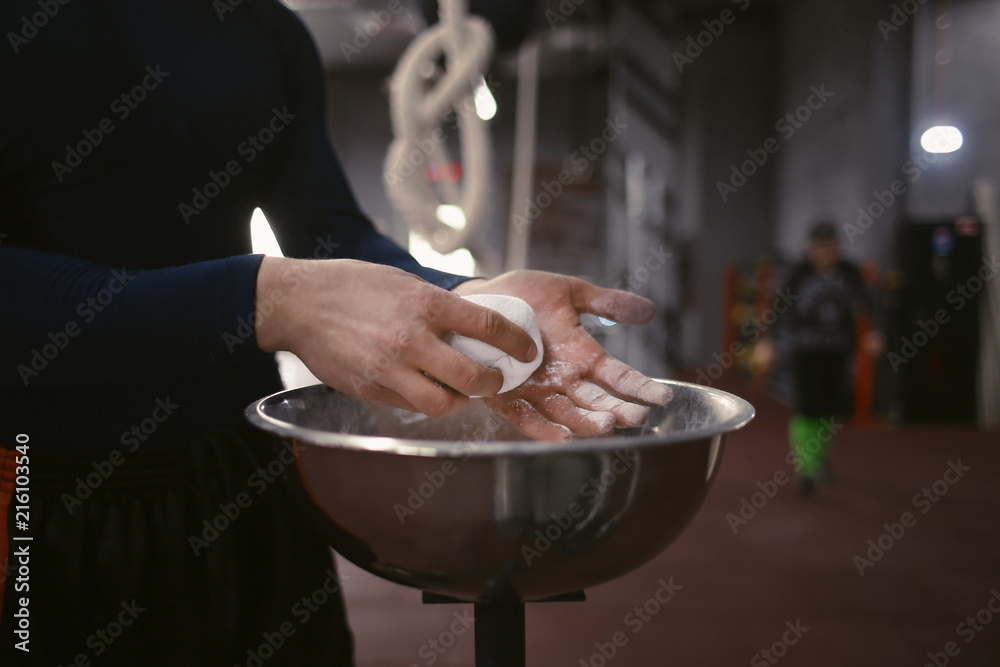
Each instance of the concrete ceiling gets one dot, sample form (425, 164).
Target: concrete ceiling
(349, 35)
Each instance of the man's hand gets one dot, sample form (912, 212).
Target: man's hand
(873, 343)
(579, 388)
(375, 332)
(763, 358)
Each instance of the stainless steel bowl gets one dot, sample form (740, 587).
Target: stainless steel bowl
(466, 507)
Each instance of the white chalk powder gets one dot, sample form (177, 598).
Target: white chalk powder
(520, 313)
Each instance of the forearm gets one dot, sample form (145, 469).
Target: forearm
(68, 321)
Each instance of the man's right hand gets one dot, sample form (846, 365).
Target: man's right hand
(763, 357)
(376, 332)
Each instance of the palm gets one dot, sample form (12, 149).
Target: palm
(579, 388)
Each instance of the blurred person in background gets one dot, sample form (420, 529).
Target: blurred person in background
(827, 293)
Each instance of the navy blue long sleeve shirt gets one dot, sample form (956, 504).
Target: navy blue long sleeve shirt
(135, 141)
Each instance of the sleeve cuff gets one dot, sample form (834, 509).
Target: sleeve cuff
(236, 306)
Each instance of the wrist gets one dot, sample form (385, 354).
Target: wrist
(268, 322)
(468, 286)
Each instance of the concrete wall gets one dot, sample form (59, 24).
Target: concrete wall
(361, 131)
(857, 143)
(358, 106)
(764, 65)
(968, 99)
(572, 108)
(729, 92)
(882, 69)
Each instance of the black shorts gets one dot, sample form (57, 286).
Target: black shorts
(820, 382)
(184, 555)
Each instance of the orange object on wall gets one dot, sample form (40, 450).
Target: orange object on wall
(864, 372)
(730, 296)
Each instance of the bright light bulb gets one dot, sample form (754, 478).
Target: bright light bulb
(941, 139)
(486, 105)
(451, 215)
(262, 240)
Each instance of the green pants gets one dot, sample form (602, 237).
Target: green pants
(810, 440)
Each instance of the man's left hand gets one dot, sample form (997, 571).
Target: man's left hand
(579, 389)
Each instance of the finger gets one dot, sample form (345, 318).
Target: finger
(388, 397)
(424, 394)
(588, 423)
(629, 383)
(592, 397)
(369, 391)
(452, 368)
(525, 418)
(487, 325)
(610, 304)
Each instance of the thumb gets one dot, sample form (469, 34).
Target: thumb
(611, 304)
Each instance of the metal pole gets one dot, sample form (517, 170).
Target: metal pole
(519, 227)
(499, 627)
(500, 634)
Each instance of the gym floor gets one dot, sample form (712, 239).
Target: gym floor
(795, 583)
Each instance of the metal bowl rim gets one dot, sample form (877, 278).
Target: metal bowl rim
(744, 412)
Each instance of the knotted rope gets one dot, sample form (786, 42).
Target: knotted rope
(418, 113)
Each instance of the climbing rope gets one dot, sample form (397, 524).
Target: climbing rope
(418, 114)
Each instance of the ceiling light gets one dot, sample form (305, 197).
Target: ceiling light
(941, 139)
(451, 215)
(486, 105)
